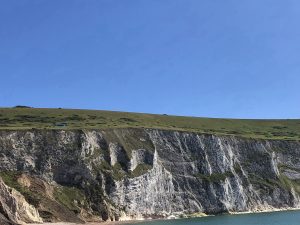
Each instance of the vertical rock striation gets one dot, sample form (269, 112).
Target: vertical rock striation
(141, 173)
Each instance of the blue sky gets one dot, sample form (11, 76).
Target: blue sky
(212, 58)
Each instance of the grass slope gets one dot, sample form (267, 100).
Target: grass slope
(27, 118)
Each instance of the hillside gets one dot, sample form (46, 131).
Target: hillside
(87, 165)
(28, 118)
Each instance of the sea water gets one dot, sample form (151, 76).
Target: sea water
(272, 218)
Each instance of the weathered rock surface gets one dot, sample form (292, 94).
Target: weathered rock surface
(5, 221)
(133, 173)
(15, 208)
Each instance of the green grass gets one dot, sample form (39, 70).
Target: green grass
(28, 118)
(71, 197)
(282, 182)
(140, 170)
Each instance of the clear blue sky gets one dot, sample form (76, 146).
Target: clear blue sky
(211, 58)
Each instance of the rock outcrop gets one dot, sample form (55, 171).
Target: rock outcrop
(15, 208)
(121, 174)
(5, 221)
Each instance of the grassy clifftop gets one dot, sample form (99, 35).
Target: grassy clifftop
(27, 118)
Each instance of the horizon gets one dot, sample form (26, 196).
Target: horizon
(237, 60)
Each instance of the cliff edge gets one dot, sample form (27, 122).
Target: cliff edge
(126, 173)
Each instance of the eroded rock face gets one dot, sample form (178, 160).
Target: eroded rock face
(5, 221)
(15, 208)
(140, 173)
(118, 155)
(139, 157)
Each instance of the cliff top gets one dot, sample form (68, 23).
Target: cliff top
(28, 118)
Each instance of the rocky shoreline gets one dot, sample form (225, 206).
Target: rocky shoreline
(145, 220)
(122, 174)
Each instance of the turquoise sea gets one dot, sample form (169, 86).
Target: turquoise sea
(273, 218)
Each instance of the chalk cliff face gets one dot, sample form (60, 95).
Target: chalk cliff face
(14, 206)
(141, 173)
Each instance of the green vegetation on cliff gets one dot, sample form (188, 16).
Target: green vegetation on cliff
(10, 179)
(71, 197)
(28, 118)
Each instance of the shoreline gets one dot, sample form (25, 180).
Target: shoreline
(145, 220)
(265, 211)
